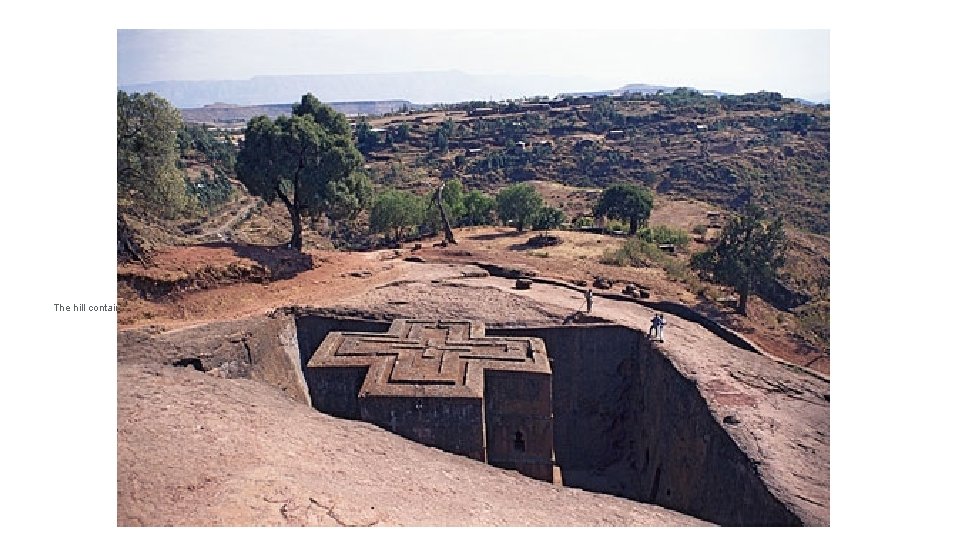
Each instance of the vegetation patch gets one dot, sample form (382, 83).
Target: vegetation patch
(661, 234)
(639, 253)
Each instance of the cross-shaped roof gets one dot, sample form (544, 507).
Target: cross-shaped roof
(423, 358)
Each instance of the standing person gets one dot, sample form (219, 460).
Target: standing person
(589, 296)
(660, 326)
(654, 326)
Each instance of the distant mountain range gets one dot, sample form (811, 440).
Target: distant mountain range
(419, 87)
(416, 87)
(226, 114)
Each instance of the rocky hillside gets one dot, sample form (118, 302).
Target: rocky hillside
(720, 150)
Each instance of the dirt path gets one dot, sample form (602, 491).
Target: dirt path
(334, 277)
(221, 232)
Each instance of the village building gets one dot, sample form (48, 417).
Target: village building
(481, 111)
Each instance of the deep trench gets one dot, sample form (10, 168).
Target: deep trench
(626, 423)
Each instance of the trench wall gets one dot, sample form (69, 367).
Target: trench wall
(683, 459)
(275, 348)
(626, 422)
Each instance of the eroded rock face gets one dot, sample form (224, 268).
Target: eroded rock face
(264, 349)
(274, 355)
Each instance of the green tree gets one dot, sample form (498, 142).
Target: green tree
(478, 208)
(345, 199)
(441, 137)
(325, 116)
(441, 140)
(626, 201)
(548, 217)
(395, 210)
(748, 254)
(367, 139)
(449, 126)
(518, 203)
(401, 133)
(214, 146)
(147, 174)
(308, 161)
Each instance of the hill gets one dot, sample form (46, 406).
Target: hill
(718, 149)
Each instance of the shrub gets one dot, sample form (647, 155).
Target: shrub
(614, 225)
(661, 234)
(639, 253)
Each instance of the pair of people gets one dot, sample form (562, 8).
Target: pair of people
(656, 323)
(656, 327)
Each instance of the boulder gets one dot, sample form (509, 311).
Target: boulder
(602, 283)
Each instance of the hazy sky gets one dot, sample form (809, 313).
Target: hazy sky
(793, 62)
